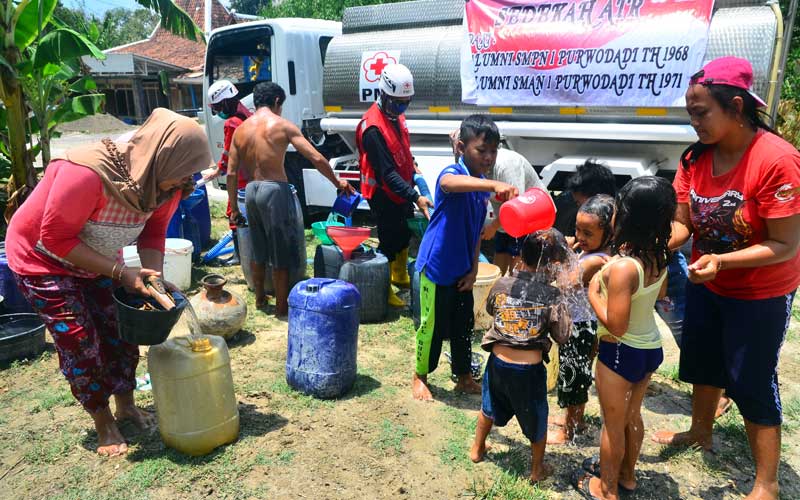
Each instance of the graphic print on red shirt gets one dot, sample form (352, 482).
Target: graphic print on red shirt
(729, 213)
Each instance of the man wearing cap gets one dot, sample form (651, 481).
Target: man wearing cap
(738, 193)
(387, 170)
(223, 99)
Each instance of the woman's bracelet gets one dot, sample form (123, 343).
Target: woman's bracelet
(121, 270)
(719, 262)
(114, 270)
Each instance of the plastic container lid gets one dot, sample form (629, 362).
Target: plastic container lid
(325, 295)
(178, 246)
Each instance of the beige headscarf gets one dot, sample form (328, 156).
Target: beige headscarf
(168, 146)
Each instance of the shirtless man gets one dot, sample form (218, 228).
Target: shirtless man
(273, 209)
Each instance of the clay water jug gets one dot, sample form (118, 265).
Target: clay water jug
(219, 311)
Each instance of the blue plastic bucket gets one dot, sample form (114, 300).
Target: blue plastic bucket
(345, 203)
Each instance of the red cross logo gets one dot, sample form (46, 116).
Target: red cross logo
(373, 67)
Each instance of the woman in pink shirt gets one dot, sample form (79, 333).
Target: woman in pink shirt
(63, 245)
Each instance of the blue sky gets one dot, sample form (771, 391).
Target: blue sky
(100, 6)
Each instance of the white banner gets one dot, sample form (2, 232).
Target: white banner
(582, 52)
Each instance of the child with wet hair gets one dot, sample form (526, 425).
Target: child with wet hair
(528, 312)
(623, 294)
(593, 234)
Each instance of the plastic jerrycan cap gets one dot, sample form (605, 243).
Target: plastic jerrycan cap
(199, 344)
(314, 287)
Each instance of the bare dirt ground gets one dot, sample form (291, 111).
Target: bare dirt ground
(374, 443)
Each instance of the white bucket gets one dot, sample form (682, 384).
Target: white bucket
(177, 261)
(488, 274)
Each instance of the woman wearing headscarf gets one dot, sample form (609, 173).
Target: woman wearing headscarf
(738, 193)
(63, 245)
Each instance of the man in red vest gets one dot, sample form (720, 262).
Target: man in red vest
(387, 171)
(224, 102)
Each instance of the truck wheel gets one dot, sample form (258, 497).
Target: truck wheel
(294, 165)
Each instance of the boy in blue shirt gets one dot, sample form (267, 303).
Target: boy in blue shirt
(448, 255)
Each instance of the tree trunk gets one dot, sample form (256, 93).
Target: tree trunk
(23, 177)
(44, 143)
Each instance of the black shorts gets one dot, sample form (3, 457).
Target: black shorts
(575, 364)
(734, 344)
(276, 224)
(445, 313)
(511, 389)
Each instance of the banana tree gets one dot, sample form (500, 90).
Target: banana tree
(54, 88)
(25, 24)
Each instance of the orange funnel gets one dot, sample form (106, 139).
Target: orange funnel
(347, 238)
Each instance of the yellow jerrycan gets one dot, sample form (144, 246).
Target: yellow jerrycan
(193, 392)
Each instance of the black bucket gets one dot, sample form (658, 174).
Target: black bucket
(145, 327)
(21, 336)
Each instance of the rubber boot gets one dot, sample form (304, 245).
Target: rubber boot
(394, 300)
(399, 267)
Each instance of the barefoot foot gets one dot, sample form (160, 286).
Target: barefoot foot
(110, 442)
(467, 385)
(558, 435)
(723, 406)
(478, 452)
(681, 439)
(142, 419)
(764, 492)
(540, 473)
(420, 389)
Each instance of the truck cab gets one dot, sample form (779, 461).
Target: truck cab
(290, 52)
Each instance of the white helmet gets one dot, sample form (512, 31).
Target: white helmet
(397, 81)
(221, 90)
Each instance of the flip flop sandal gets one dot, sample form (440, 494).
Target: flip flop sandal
(580, 481)
(592, 466)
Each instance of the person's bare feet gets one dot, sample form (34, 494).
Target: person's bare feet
(723, 406)
(627, 484)
(681, 439)
(541, 472)
(110, 442)
(761, 492)
(467, 385)
(559, 435)
(126, 409)
(420, 389)
(478, 452)
(142, 419)
(560, 419)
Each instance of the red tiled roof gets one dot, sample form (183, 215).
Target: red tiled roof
(166, 47)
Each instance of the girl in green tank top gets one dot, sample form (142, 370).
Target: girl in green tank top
(623, 295)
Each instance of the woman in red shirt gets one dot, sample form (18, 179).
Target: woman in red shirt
(739, 197)
(63, 245)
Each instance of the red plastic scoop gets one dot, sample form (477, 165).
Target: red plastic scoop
(347, 238)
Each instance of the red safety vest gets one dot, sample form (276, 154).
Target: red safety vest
(399, 144)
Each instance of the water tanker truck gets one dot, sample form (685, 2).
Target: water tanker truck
(513, 60)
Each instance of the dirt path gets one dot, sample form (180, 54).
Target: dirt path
(374, 443)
